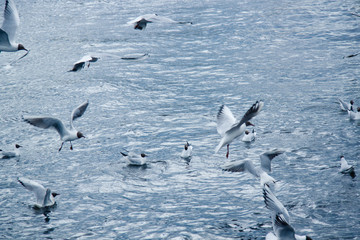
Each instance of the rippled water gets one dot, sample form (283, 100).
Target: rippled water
(288, 53)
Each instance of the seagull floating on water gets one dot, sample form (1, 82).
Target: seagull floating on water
(187, 151)
(229, 129)
(44, 196)
(282, 230)
(249, 136)
(354, 115)
(345, 168)
(135, 159)
(141, 21)
(66, 135)
(247, 165)
(13, 154)
(94, 57)
(347, 106)
(8, 29)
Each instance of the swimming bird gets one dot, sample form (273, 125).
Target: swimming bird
(249, 136)
(354, 115)
(282, 230)
(44, 196)
(13, 154)
(229, 129)
(187, 151)
(134, 158)
(345, 168)
(8, 29)
(66, 135)
(347, 106)
(247, 165)
(141, 21)
(94, 57)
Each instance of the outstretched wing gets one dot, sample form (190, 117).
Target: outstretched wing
(282, 229)
(35, 187)
(47, 122)
(243, 166)
(273, 204)
(11, 19)
(252, 112)
(225, 120)
(266, 158)
(78, 112)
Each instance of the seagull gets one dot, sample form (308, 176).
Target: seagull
(229, 129)
(345, 168)
(13, 154)
(249, 136)
(141, 21)
(282, 230)
(44, 196)
(187, 151)
(66, 135)
(9, 27)
(135, 159)
(347, 106)
(247, 165)
(94, 57)
(354, 115)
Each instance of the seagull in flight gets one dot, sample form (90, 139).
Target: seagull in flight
(8, 29)
(229, 129)
(282, 230)
(44, 196)
(13, 154)
(66, 135)
(141, 21)
(247, 165)
(135, 159)
(345, 168)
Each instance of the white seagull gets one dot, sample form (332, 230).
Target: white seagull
(94, 57)
(354, 115)
(247, 165)
(44, 196)
(187, 151)
(282, 230)
(345, 168)
(135, 159)
(9, 27)
(347, 106)
(13, 154)
(141, 21)
(249, 136)
(229, 129)
(66, 135)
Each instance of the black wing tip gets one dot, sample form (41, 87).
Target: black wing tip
(20, 181)
(124, 154)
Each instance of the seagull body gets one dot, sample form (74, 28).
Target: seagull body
(347, 106)
(44, 196)
(66, 135)
(141, 21)
(15, 153)
(282, 230)
(135, 159)
(8, 29)
(187, 151)
(229, 129)
(247, 165)
(354, 115)
(345, 168)
(249, 136)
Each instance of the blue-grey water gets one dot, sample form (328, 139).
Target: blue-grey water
(287, 53)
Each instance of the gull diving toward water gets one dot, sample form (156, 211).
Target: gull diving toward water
(8, 29)
(141, 21)
(187, 151)
(135, 159)
(93, 57)
(44, 196)
(282, 230)
(249, 136)
(345, 168)
(229, 129)
(247, 165)
(66, 135)
(347, 106)
(15, 153)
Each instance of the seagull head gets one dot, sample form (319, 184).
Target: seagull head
(21, 47)
(54, 194)
(246, 132)
(351, 102)
(17, 146)
(143, 155)
(80, 135)
(249, 124)
(186, 146)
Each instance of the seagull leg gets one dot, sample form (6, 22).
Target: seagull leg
(61, 146)
(71, 148)
(227, 153)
